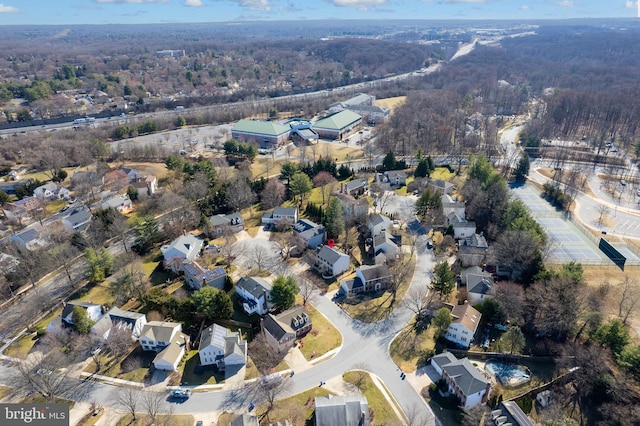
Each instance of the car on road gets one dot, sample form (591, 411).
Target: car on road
(199, 423)
(181, 394)
(65, 208)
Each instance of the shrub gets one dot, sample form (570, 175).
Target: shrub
(41, 331)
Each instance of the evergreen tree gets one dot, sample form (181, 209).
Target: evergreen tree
(283, 292)
(333, 219)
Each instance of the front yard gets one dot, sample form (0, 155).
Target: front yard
(134, 367)
(322, 338)
(382, 411)
(410, 349)
(194, 374)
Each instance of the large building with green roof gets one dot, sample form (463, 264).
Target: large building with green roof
(337, 125)
(266, 134)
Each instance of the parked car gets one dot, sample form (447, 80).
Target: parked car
(180, 394)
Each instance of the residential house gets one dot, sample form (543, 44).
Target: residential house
(221, 347)
(312, 233)
(146, 186)
(94, 312)
(120, 203)
(338, 125)
(346, 410)
(167, 340)
(461, 228)
(22, 209)
(353, 207)
(396, 177)
(30, 239)
(355, 187)
(8, 263)
(290, 214)
(283, 329)
(464, 323)
(479, 284)
(116, 317)
(368, 278)
(246, 419)
(255, 295)
(473, 250)
(265, 134)
(133, 174)
(198, 276)
(464, 380)
(51, 190)
(441, 186)
(181, 251)
(510, 413)
(450, 206)
(220, 222)
(78, 220)
(378, 223)
(384, 244)
(331, 262)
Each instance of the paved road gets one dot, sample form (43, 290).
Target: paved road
(363, 345)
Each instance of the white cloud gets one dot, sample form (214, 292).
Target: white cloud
(132, 1)
(7, 9)
(193, 3)
(630, 4)
(566, 3)
(255, 5)
(524, 7)
(358, 3)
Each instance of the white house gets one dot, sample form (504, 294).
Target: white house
(255, 293)
(351, 410)
(51, 190)
(368, 278)
(312, 233)
(30, 239)
(221, 347)
(120, 203)
(116, 317)
(198, 276)
(181, 251)
(464, 380)
(331, 262)
(396, 177)
(383, 243)
(378, 223)
(355, 188)
(94, 312)
(479, 284)
(449, 206)
(289, 214)
(77, 220)
(464, 323)
(219, 222)
(461, 228)
(147, 185)
(167, 340)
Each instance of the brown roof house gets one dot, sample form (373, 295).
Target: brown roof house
(464, 323)
(283, 329)
(167, 340)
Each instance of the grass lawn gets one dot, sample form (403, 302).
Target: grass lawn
(156, 272)
(99, 294)
(408, 349)
(4, 391)
(265, 164)
(298, 408)
(383, 411)
(144, 420)
(21, 347)
(133, 367)
(193, 374)
(36, 398)
(89, 419)
(55, 206)
(369, 308)
(322, 338)
(251, 371)
(442, 173)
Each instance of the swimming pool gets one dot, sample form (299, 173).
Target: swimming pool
(508, 374)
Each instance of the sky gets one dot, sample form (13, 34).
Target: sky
(66, 12)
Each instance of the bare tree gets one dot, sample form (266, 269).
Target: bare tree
(260, 258)
(326, 182)
(129, 399)
(306, 290)
(287, 241)
(263, 355)
(119, 341)
(273, 194)
(417, 300)
(603, 212)
(154, 403)
(629, 294)
(272, 386)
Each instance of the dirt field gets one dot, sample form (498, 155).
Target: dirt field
(391, 103)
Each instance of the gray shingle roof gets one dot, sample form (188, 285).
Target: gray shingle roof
(159, 331)
(372, 272)
(331, 255)
(443, 359)
(256, 286)
(347, 410)
(467, 377)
